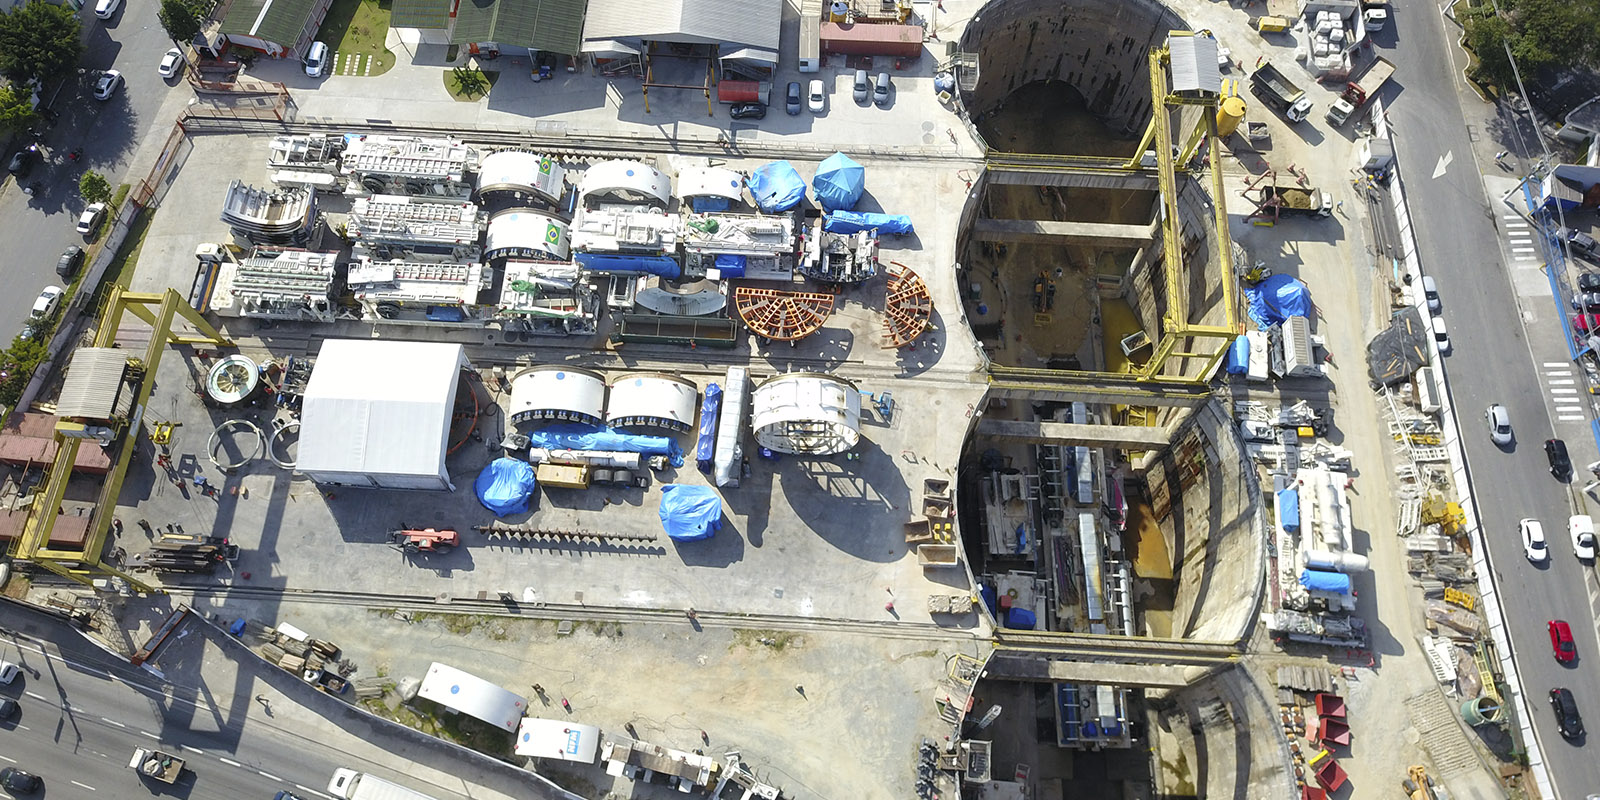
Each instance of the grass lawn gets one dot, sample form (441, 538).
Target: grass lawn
(358, 27)
(453, 86)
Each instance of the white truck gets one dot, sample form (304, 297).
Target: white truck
(348, 784)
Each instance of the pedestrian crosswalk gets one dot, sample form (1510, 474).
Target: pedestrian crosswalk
(1524, 253)
(1566, 390)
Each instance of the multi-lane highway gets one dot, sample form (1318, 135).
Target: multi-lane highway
(1496, 359)
(36, 229)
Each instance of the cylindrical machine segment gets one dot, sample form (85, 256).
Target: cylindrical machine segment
(653, 400)
(553, 393)
(806, 413)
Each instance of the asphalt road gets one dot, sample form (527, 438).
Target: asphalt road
(38, 228)
(83, 713)
(1494, 360)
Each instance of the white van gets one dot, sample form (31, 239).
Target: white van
(316, 59)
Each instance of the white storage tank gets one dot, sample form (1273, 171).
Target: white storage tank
(553, 393)
(652, 400)
(806, 413)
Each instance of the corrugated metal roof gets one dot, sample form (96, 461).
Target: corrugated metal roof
(1194, 64)
(93, 380)
(741, 23)
(277, 21)
(433, 14)
(553, 26)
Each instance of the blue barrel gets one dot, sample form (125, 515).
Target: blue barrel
(983, 309)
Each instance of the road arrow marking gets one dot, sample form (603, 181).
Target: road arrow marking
(1444, 161)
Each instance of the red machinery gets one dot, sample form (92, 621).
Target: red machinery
(425, 540)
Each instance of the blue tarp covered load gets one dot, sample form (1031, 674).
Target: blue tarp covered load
(577, 436)
(1238, 362)
(705, 449)
(505, 486)
(1315, 580)
(1278, 298)
(838, 182)
(690, 513)
(1289, 509)
(731, 266)
(1019, 618)
(708, 203)
(851, 222)
(776, 186)
(664, 266)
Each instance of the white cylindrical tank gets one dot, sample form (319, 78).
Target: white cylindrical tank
(1347, 563)
(526, 233)
(624, 183)
(597, 458)
(654, 400)
(807, 413)
(553, 393)
(520, 175)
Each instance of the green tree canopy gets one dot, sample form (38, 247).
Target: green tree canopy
(181, 19)
(94, 187)
(39, 42)
(16, 108)
(1540, 33)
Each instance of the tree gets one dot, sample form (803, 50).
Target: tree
(16, 108)
(94, 187)
(181, 20)
(39, 42)
(1487, 35)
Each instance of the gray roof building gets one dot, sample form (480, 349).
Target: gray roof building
(551, 26)
(733, 24)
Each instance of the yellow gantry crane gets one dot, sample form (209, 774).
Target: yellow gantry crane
(84, 563)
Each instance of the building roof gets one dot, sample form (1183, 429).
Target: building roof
(742, 23)
(93, 382)
(558, 739)
(420, 14)
(379, 408)
(473, 696)
(554, 26)
(277, 21)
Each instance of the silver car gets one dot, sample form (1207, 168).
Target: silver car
(1499, 420)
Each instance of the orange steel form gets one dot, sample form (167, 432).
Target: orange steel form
(907, 308)
(782, 316)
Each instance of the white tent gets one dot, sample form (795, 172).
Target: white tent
(377, 413)
(559, 739)
(473, 696)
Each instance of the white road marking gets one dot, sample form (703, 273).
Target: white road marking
(84, 786)
(111, 721)
(1522, 250)
(1556, 364)
(192, 749)
(151, 735)
(230, 762)
(23, 728)
(269, 776)
(1564, 391)
(12, 760)
(1563, 382)
(37, 696)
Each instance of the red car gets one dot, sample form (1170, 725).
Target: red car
(1561, 641)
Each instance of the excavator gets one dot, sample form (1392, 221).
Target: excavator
(1417, 785)
(424, 540)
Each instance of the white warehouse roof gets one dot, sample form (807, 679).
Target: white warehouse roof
(473, 696)
(377, 413)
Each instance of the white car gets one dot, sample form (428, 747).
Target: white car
(316, 59)
(8, 672)
(171, 63)
(105, 8)
(47, 302)
(1499, 420)
(107, 85)
(1441, 335)
(1533, 543)
(89, 220)
(1430, 292)
(1581, 526)
(814, 97)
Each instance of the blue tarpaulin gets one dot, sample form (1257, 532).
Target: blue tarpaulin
(1238, 362)
(1019, 618)
(1316, 580)
(1276, 299)
(505, 486)
(851, 222)
(707, 203)
(705, 449)
(731, 266)
(776, 186)
(838, 182)
(664, 266)
(1289, 509)
(577, 436)
(690, 513)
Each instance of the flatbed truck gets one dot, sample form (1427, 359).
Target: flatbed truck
(1359, 91)
(1279, 92)
(157, 765)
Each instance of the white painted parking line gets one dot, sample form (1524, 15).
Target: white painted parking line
(269, 776)
(37, 696)
(192, 749)
(12, 760)
(230, 762)
(23, 728)
(151, 735)
(84, 786)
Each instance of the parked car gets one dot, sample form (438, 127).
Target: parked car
(1499, 420)
(8, 672)
(22, 162)
(1567, 717)
(814, 97)
(1441, 335)
(9, 708)
(15, 781)
(791, 99)
(1430, 292)
(69, 261)
(1589, 281)
(286, 796)
(1534, 545)
(316, 59)
(1555, 451)
(748, 111)
(1586, 301)
(108, 84)
(880, 90)
(171, 63)
(1581, 528)
(1582, 243)
(861, 88)
(89, 220)
(105, 8)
